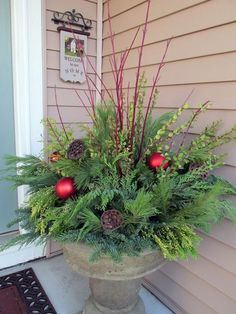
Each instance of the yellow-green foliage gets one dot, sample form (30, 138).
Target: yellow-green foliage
(178, 241)
(41, 201)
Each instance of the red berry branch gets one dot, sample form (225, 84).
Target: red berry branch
(84, 105)
(136, 91)
(59, 114)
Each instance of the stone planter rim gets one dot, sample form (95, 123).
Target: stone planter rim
(131, 267)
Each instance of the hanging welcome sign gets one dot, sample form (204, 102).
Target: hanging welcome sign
(73, 45)
(72, 62)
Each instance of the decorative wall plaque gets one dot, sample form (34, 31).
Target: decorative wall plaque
(73, 65)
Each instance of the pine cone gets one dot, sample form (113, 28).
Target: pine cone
(75, 150)
(111, 219)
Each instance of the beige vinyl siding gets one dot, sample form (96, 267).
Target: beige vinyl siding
(71, 108)
(202, 56)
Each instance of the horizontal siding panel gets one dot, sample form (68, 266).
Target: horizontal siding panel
(54, 80)
(230, 151)
(70, 114)
(123, 41)
(225, 232)
(88, 9)
(206, 118)
(218, 252)
(67, 97)
(53, 61)
(51, 26)
(189, 46)
(116, 8)
(157, 8)
(228, 173)
(178, 294)
(200, 288)
(221, 95)
(77, 128)
(164, 27)
(213, 274)
(53, 43)
(216, 68)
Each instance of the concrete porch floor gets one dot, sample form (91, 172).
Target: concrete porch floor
(68, 291)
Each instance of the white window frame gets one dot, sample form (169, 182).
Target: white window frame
(28, 90)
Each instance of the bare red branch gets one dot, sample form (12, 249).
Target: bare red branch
(59, 114)
(138, 75)
(84, 105)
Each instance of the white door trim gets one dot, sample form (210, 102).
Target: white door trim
(27, 62)
(27, 58)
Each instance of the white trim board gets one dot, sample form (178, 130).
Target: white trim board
(18, 255)
(27, 56)
(27, 62)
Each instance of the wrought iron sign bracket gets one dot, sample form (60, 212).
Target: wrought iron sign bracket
(72, 18)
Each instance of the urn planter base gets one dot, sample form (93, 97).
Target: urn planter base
(114, 286)
(114, 297)
(91, 308)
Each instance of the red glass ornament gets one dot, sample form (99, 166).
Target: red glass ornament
(156, 160)
(65, 188)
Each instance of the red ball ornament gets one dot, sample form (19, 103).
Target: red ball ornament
(65, 188)
(156, 160)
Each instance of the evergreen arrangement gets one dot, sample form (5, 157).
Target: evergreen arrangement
(133, 182)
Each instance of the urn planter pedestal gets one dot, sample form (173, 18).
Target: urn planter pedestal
(114, 286)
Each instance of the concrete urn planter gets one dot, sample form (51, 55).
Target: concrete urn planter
(114, 286)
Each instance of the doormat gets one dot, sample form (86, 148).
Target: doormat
(22, 293)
